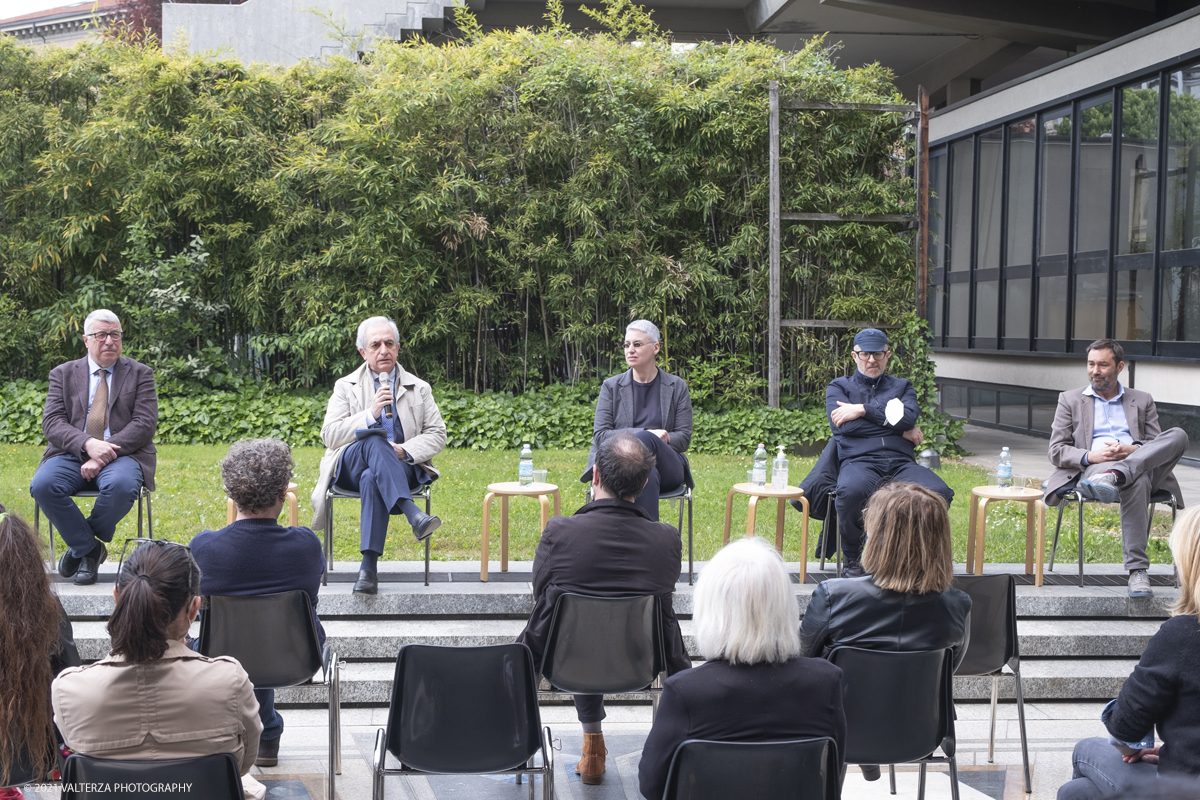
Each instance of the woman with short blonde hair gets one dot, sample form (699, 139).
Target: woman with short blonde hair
(754, 686)
(908, 549)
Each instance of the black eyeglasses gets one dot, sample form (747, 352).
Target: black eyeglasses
(102, 335)
(159, 543)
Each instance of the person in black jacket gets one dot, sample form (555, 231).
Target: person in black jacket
(608, 548)
(1163, 692)
(873, 416)
(755, 686)
(256, 555)
(906, 603)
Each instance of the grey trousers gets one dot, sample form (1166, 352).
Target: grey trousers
(1098, 771)
(1145, 472)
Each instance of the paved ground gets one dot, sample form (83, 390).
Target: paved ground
(1029, 457)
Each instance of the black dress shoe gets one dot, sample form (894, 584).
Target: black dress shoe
(68, 565)
(367, 583)
(89, 565)
(425, 525)
(268, 752)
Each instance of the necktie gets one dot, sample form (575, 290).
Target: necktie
(97, 418)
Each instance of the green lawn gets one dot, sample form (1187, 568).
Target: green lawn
(189, 499)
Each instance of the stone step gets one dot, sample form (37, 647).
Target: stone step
(370, 683)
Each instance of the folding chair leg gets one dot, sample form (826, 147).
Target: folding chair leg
(427, 538)
(1080, 543)
(691, 569)
(953, 778)
(921, 782)
(892, 777)
(140, 495)
(991, 737)
(1021, 720)
(378, 759)
(1057, 528)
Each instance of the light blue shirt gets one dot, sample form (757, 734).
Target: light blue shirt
(1108, 419)
(93, 384)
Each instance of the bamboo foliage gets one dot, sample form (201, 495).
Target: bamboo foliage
(512, 201)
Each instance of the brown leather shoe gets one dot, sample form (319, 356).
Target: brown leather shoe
(591, 767)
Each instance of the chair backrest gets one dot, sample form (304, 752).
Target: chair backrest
(899, 706)
(273, 636)
(464, 709)
(802, 769)
(603, 645)
(20, 771)
(213, 777)
(993, 640)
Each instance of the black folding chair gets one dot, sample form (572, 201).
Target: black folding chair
(1069, 493)
(830, 528)
(143, 494)
(21, 771)
(274, 638)
(214, 777)
(335, 492)
(604, 645)
(994, 646)
(683, 493)
(464, 710)
(899, 709)
(799, 769)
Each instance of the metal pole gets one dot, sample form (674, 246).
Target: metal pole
(773, 301)
(922, 202)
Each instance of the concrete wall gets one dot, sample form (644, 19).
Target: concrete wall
(1123, 56)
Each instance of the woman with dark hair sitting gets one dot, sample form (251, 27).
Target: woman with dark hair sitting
(256, 555)
(754, 685)
(153, 698)
(36, 644)
(905, 602)
(1163, 692)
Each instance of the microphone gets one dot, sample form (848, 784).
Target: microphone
(387, 410)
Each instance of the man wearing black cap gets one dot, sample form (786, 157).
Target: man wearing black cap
(873, 416)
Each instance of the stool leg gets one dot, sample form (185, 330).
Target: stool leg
(557, 505)
(487, 525)
(293, 510)
(780, 506)
(751, 513)
(230, 511)
(972, 520)
(504, 533)
(728, 515)
(545, 503)
(1030, 513)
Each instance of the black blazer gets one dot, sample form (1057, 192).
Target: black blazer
(856, 612)
(798, 699)
(609, 548)
(614, 410)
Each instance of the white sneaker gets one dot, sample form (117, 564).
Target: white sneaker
(1139, 584)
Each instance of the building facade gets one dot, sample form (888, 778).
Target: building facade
(64, 25)
(1065, 207)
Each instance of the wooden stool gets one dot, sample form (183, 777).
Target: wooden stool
(980, 497)
(293, 507)
(505, 491)
(755, 492)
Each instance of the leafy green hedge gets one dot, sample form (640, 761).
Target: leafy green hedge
(558, 417)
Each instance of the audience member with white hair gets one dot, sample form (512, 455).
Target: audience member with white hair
(653, 405)
(755, 686)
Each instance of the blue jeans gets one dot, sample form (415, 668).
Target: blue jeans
(58, 478)
(1098, 772)
(271, 720)
(371, 468)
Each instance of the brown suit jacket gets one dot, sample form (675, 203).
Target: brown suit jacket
(1071, 435)
(132, 412)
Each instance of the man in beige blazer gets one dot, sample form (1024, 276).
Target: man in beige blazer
(381, 429)
(1107, 436)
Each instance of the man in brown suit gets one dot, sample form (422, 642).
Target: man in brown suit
(1107, 436)
(104, 446)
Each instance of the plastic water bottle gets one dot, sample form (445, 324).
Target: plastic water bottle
(1004, 470)
(779, 467)
(525, 468)
(760, 465)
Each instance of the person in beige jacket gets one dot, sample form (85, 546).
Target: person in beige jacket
(153, 698)
(381, 430)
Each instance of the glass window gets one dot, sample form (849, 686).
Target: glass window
(956, 324)
(987, 232)
(1016, 308)
(1021, 179)
(935, 299)
(983, 405)
(960, 214)
(1014, 409)
(987, 307)
(1135, 300)
(1056, 183)
(1183, 166)
(1052, 307)
(954, 400)
(1043, 408)
(1139, 168)
(1095, 177)
(1180, 305)
(1091, 305)
(937, 212)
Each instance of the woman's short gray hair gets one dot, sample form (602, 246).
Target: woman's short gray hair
(371, 322)
(100, 315)
(744, 610)
(645, 326)
(256, 472)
